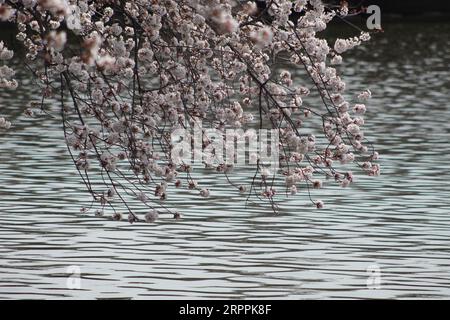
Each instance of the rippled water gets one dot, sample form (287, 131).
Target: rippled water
(399, 222)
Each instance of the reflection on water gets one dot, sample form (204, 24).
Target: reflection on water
(399, 222)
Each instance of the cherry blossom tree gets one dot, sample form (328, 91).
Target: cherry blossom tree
(127, 74)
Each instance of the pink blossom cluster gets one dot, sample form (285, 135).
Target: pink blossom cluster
(128, 73)
(6, 73)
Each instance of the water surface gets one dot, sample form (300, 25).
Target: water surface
(399, 222)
